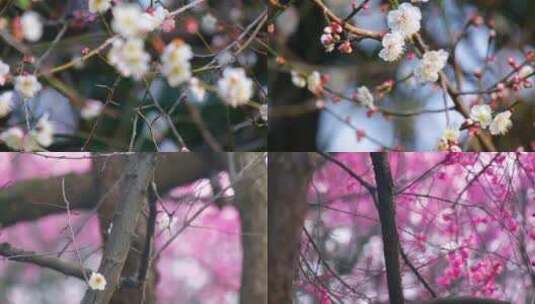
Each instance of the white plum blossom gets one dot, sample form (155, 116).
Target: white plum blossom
(314, 82)
(27, 86)
(130, 57)
(99, 6)
(129, 20)
(4, 71)
(13, 138)
(430, 65)
(481, 114)
(209, 23)
(417, 1)
(91, 109)
(196, 90)
(176, 62)
(298, 80)
(32, 26)
(365, 97)
(166, 221)
(39, 137)
(525, 72)
(43, 132)
(6, 103)
(235, 88)
(393, 46)
(97, 281)
(501, 123)
(449, 140)
(405, 19)
(155, 18)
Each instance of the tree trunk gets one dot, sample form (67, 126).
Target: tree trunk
(251, 199)
(122, 185)
(289, 175)
(387, 217)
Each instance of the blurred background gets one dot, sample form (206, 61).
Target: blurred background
(203, 264)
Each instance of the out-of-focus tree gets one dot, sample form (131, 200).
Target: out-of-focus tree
(131, 221)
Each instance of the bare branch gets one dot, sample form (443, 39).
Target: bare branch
(19, 255)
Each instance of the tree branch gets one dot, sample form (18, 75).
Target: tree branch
(19, 255)
(132, 196)
(32, 199)
(385, 206)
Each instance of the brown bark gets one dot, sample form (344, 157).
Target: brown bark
(289, 175)
(387, 217)
(129, 196)
(251, 200)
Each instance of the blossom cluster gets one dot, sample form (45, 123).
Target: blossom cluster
(137, 47)
(481, 105)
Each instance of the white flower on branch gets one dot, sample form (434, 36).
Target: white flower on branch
(501, 123)
(298, 80)
(393, 47)
(129, 21)
(130, 57)
(99, 6)
(525, 72)
(405, 19)
(6, 103)
(209, 23)
(27, 85)
(91, 109)
(42, 135)
(176, 62)
(4, 71)
(166, 221)
(314, 82)
(449, 140)
(97, 281)
(13, 138)
(32, 26)
(155, 18)
(196, 90)
(481, 114)
(235, 88)
(365, 97)
(430, 65)
(43, 132)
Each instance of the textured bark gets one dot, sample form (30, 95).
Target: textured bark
(130, 195)
(387, 217)
(289, 175)
(251, 199)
